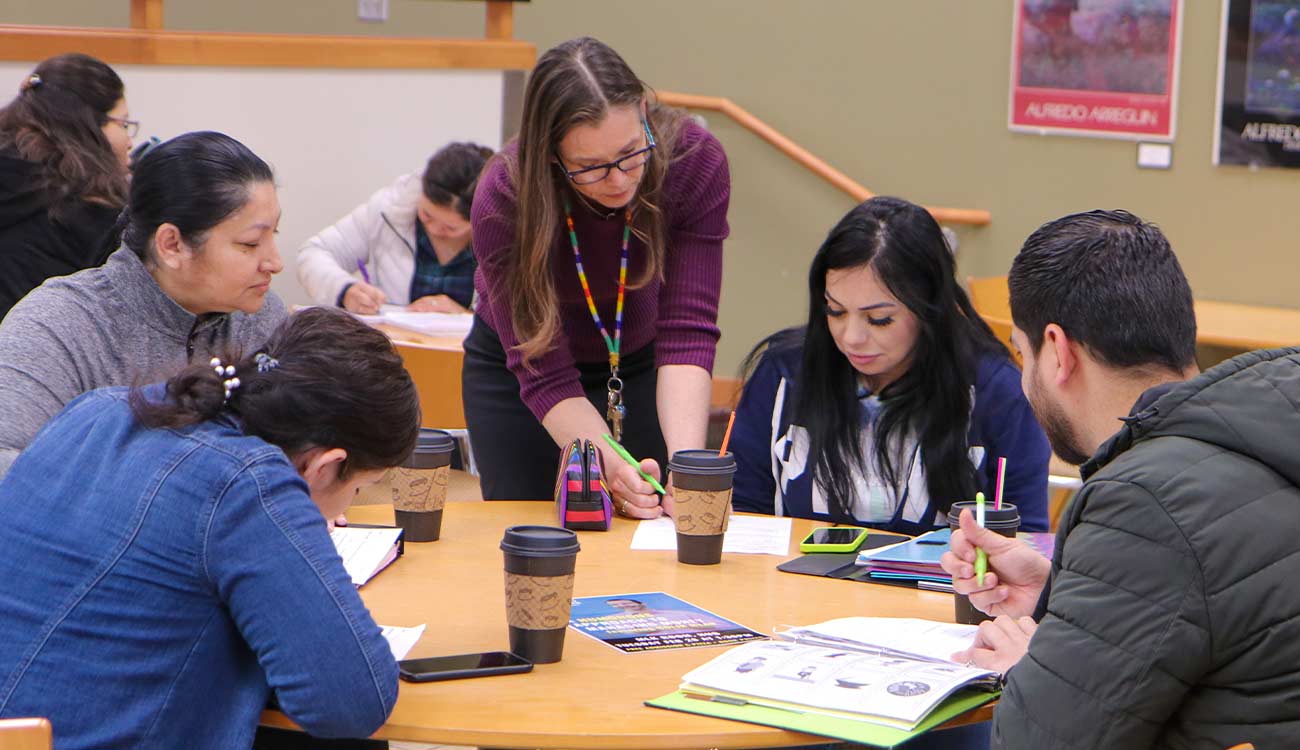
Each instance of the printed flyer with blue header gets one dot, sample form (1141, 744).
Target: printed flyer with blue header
(654, 621)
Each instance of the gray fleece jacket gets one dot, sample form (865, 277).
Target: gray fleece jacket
(1172, 619)
(105, 326)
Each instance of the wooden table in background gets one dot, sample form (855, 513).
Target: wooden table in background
(434, 363)
(1220, 324)
(1246, 327)
(593, 697)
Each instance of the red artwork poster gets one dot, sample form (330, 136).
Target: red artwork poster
(1101, 68)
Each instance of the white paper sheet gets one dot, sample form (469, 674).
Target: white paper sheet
(401, 640)
(745, 535)
(430, 323)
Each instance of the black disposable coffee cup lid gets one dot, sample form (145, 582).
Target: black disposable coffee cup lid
(434, 441)
(697, 461)
(539, 541)
(992, 517)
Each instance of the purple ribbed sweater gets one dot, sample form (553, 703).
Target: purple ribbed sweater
(680, 315)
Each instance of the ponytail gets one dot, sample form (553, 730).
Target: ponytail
(194, 395)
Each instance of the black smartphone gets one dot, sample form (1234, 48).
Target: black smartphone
(461, 666)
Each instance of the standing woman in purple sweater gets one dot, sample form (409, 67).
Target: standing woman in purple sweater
(602, 185)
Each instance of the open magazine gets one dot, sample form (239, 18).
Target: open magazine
(843, 677)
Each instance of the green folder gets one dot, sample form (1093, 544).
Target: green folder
(851, 730)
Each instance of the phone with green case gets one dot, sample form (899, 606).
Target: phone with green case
(834, 539)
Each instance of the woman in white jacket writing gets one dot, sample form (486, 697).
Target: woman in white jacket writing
(409, 244)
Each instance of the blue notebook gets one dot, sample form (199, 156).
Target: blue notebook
(916, 560)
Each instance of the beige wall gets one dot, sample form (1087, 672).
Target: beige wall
(907, 97)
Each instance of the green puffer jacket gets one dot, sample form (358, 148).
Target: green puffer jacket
(1172, 618)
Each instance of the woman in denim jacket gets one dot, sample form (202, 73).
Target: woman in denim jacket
(168, 563)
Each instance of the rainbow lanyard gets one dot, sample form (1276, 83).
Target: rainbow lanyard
(615, 412)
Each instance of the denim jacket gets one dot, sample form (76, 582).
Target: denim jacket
(159, 584)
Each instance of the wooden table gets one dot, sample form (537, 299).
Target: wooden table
(593, 697)
(1246, 327)
(1221, 324)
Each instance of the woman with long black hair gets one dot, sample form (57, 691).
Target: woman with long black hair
(895, 400)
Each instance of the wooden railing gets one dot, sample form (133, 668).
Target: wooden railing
(147, 43)
(803, 156)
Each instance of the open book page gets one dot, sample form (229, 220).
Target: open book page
(917, 639)
(869, 687)
(365, 551)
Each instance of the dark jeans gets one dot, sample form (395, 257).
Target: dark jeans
(270, 738)
(515, 455)
(968, 737)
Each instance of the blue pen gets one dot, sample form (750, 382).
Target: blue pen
(361, 266)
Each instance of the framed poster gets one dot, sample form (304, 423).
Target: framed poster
(1259, 84)
(1100, 68)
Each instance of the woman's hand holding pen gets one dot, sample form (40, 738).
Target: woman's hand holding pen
(632, 495)
(1016, 573)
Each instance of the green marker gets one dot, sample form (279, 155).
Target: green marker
(622, 452)
(981, 557)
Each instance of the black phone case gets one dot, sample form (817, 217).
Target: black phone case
(461, 674)
(842, 564)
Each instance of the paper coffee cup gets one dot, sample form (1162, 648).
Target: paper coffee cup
(419, 486)
(1004, 521)
(539, 565)
(702, 484)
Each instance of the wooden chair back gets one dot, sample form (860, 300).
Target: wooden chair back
(26, 734)
(990, 298)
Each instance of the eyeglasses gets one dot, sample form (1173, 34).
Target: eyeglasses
(627, 164)
(132, 127)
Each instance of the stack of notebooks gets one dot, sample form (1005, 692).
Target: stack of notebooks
(915, 561)
(878, 681)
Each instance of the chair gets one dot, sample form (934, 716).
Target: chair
(723, 398)
(26, 734)
(1062, 483)
(990, 298)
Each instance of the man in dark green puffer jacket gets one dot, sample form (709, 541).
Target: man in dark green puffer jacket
(1170, 615)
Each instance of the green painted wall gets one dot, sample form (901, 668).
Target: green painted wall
(908, 98)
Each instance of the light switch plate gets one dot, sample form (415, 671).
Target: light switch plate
(1155, 155)
(372, 10)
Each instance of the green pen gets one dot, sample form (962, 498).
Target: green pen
(981, 557)
(622, 452)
